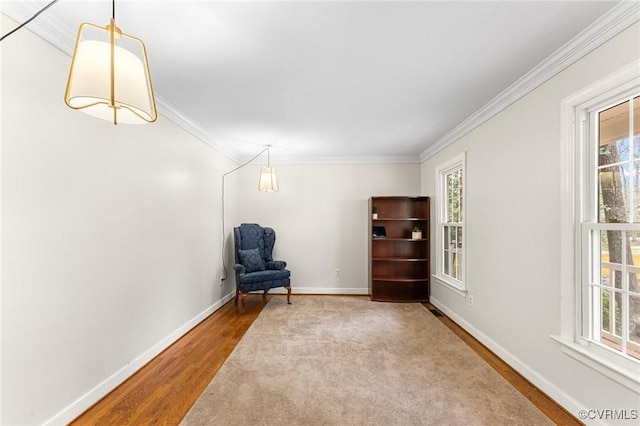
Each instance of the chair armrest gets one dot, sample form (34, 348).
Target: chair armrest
(276, 264)
(240, 269)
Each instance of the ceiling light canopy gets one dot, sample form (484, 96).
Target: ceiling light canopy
(109, 76)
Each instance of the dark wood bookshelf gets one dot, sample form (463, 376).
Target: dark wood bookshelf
(399, 265)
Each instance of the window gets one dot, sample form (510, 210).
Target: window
(601, 214)
(611, 291)
(450, 233)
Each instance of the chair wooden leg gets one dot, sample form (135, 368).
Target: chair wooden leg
(264, 296)
(243, 297)
(237, 293)
(288, 295)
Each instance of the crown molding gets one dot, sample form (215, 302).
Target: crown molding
(617, 19)
(310, 160)
(45, 26)
(179, 119)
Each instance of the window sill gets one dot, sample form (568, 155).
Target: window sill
(446, 283)
(617, 373)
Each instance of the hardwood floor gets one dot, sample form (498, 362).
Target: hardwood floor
(164, 390)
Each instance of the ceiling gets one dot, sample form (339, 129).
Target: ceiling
(328, 81)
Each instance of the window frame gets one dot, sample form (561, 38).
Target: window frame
(576, 207)
(456, 163)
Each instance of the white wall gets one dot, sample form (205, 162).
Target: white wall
(513, 225)
(110, 244)
(320, 216)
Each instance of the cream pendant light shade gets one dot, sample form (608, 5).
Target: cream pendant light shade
(109, 76)
(268, 180)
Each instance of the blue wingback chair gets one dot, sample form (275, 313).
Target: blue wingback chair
(255, 268)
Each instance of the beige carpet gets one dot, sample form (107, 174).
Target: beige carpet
(349, 361)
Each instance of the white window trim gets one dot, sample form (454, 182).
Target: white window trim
(573, 132)
(459, 161)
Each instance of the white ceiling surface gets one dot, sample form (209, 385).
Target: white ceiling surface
(332, 81)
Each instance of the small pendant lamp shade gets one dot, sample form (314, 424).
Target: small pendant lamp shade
(268, 180)
(109, 76)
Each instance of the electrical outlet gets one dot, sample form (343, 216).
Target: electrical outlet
(470, 297)
(337, 273)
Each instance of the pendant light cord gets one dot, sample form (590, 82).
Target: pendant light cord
(30, 19)
(224, 266)
(113, 9)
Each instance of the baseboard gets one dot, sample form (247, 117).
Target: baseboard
(322, 290)
(100, 391)
(562, 398)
